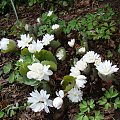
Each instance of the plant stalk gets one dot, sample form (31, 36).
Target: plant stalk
(14, 10)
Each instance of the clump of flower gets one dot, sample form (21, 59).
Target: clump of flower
(39, 72)
(39, 101)
(4, 43)
(58, 101)
(24, 42)
(75, 95)
(71, 43)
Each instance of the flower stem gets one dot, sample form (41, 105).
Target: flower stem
(14, 9)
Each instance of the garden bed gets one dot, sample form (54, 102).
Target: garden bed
(16, 91)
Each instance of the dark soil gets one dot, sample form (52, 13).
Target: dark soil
(12, 94)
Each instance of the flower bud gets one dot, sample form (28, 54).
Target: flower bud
(57, 102)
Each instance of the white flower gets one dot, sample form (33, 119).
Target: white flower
(81, 65)
(55, 26)
(60, 54)
(35, 46)
(75, 95)
(49, 13)
(3, 43)
(58, 101)
(82, 50)
(71, 43)
(39, 72)
(47, 38)
(24, 42)
(106, 68)
(20, 60)
(90, 57)
(40, 101)
(80, 81)
(38, 20)
(74, 72)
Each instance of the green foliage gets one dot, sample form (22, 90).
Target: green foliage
(52, 64)
(45, 55)
(88, 112)
(110, 99)
(87, 106)
(72, 25)
(7, 67)
(18, 28)
(68, 82)
(99, 25)
(55, 44)
(1, 114)
(3, 6)
(11, 110)
(46, 23)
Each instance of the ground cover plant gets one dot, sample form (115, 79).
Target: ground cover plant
(61, 65)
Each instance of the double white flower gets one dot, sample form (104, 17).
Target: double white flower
(75, 94)
(106, 68)
(39, 72)
(39, 101)
(60, 54)
(24, 42)
(35, 46)
(58, 101)
(81, 65)
(4, 43)
(90, 57)
(47, 38)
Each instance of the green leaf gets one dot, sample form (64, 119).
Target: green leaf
(91, 104)
(111, 93)
(45, 55)
(12, 113)
(117, 103)
(68, 82)
(1, 114)
(102, 101)
(53, 66)
(11, 78)
(10, 47)
(7, 67)
(24, 51)
(24, 69)
(79, 116)
(107, 106)
(85, 117)
(27, 81)
(55, 44)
